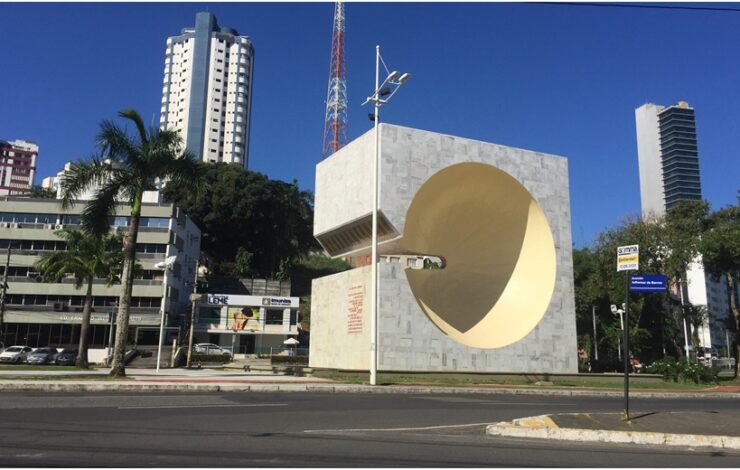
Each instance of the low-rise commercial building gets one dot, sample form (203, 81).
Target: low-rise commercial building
(40, 313)
(247, 324)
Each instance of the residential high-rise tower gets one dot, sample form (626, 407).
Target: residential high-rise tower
(207, 90)
(17, 166)
(667, 155)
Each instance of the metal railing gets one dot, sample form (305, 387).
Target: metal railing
(281, 351)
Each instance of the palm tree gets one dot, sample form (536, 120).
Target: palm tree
(127, 166)
(88, 257)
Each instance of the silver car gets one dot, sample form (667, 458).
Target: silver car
(42, 356)
(15, 354)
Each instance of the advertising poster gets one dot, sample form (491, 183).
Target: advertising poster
(243, 319)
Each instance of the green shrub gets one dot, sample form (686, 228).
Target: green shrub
(294, 360)
(202, 357)
(684, 370)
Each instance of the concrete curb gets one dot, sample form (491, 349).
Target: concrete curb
(142, 385)
(543, 427)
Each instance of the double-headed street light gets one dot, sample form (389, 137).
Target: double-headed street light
(382, 94)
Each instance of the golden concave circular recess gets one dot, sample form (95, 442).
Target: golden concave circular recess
(499, 251)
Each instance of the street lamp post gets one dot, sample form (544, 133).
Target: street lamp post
(624, 318)
(619, 311)
(380, 96)
(596, 347)
(161, 338)
(112, 313)
(165, 266)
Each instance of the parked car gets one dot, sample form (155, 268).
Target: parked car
(42, 356)
(67, 357)
(15, 354)
(210, 348)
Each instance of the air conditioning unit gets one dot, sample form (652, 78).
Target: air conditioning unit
(4, 224)
(14, 225)
(49, 226)
(58, 226)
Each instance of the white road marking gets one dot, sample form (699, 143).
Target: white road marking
(422, 428)
(200, 406)
(523, 403)
(478, 401)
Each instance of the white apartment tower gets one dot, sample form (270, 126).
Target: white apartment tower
(207, 90)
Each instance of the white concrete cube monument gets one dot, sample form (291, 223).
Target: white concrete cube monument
(497, 219)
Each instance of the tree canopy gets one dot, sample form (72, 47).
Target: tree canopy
(252, 225)
(125, 167)
(87, 257)
(668, 245)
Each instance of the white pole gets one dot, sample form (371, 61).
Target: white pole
(686, 339)
(596, 348)
(161, 338)
(685, 334)
(727, 343)
(161, 323)
(374, 250)
(110, 339)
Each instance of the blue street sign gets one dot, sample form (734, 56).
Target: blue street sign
(648, 283)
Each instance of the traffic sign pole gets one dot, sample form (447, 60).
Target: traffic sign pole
(628, 259)
(626, 343)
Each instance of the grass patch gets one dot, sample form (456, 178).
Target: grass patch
(664, 385)
(614, 382)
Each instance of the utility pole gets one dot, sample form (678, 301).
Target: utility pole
(2, 294)
(193, 299)
(596, 347)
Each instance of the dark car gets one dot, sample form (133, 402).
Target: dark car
(42, 356)
(66, 358)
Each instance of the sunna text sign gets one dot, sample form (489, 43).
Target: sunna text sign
(628, 258)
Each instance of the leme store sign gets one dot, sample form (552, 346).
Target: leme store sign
(253, 300)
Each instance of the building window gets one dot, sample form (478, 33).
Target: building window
(273, 317)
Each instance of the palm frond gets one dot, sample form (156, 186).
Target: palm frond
(115, 143)
(87, 257)
(83, 175)
(97, 210)
(136, 118)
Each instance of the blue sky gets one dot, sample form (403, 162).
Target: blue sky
(552, 78)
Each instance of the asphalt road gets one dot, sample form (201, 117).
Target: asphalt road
(315, 430)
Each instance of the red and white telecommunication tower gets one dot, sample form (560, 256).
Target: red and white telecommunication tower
(335, 123)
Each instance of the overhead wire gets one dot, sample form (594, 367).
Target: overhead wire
(639, 6)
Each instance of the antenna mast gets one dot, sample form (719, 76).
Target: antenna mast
(335, 123)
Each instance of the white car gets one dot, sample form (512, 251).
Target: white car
(15, 354)
(210, 348)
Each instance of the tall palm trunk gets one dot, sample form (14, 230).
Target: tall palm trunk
(118, 368)
(81, 361)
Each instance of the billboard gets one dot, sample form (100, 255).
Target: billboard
(243, 319)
